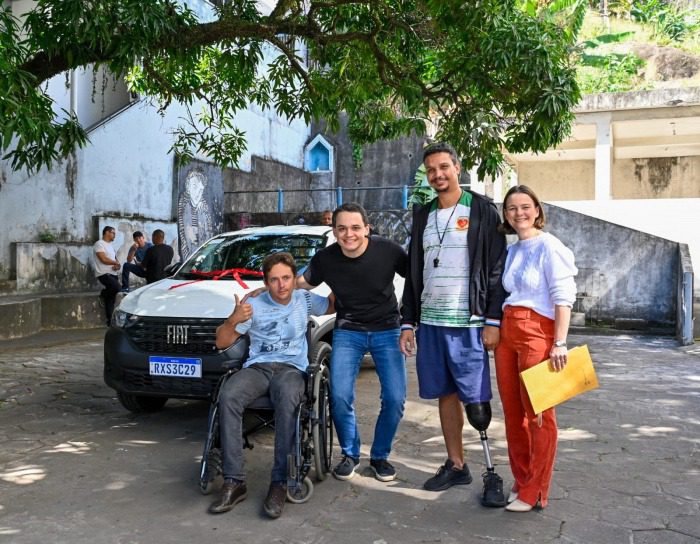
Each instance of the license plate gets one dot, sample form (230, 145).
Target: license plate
(175, 367)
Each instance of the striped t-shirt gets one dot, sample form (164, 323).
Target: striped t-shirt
(445, 297)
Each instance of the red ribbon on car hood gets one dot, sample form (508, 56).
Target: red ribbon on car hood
(218, 274)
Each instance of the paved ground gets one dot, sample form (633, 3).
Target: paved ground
(75, 467)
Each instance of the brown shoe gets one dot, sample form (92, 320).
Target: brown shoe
(274, 502)
(231, 495)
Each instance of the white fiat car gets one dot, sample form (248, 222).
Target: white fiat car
(161, 342)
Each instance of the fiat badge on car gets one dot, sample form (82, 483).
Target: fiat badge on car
(177, 334)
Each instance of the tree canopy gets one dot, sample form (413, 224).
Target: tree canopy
(495, 73)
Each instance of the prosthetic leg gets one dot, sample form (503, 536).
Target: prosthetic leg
(479, 416)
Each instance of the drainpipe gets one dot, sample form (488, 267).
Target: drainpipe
(73, 93)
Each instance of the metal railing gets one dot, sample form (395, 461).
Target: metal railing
(339, 193)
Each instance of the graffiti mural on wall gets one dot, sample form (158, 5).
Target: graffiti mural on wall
(199, 205)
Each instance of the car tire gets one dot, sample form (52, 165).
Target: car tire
(141, 404)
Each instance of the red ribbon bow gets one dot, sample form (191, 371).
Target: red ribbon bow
(218, 274)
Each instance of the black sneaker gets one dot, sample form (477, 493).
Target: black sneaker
(493, 490)
(447, 476)
(346, 468)
(101, 300)
(383, 470)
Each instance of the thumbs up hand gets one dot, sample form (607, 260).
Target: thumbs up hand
(241, 312)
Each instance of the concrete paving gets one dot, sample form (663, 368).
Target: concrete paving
(76, 467)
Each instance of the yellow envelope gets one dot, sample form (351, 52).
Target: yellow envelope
(548, 388)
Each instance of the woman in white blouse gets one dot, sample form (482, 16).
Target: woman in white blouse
(539, 276)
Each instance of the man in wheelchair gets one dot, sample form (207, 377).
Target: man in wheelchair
(276, 322)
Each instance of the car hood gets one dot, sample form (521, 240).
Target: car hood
(184, 298)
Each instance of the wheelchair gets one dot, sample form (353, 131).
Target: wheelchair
(313, 442)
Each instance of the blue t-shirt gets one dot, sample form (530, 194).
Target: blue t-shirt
(278, 331)
(141, 252)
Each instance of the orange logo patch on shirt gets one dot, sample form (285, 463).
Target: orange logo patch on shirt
(462, 223)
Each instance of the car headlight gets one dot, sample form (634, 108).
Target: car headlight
(123, 319)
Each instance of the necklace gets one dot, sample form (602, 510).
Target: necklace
(436, 260)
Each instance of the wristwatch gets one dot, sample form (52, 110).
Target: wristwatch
(560, 344)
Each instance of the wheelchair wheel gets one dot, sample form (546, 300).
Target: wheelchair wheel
(302, 493)
(322, 431)
(211, 469)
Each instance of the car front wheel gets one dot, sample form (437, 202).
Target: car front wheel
(140, 404)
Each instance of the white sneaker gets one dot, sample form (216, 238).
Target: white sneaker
(519, 506)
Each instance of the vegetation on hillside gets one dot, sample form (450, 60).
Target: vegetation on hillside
(610, 47)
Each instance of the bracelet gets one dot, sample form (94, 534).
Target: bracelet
(408, 327)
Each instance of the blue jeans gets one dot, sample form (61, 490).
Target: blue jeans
(348, 349)
(132, 268)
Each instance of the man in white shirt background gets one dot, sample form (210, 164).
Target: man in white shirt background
(106, 268)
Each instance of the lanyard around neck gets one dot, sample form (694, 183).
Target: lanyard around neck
(441, 237)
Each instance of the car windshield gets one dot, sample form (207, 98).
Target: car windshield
(222, 256)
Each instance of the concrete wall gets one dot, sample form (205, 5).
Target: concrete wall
(559, 180)
(54, 266)
(126, 227)
(623, 273)
(674, 219)
(66, 266)
(659, 177)
(19, 317)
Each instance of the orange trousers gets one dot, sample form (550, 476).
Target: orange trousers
(526, 339)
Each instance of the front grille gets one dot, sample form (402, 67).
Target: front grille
(139, 381)
(151, 335)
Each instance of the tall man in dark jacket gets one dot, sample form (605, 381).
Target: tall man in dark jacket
(454, 295)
